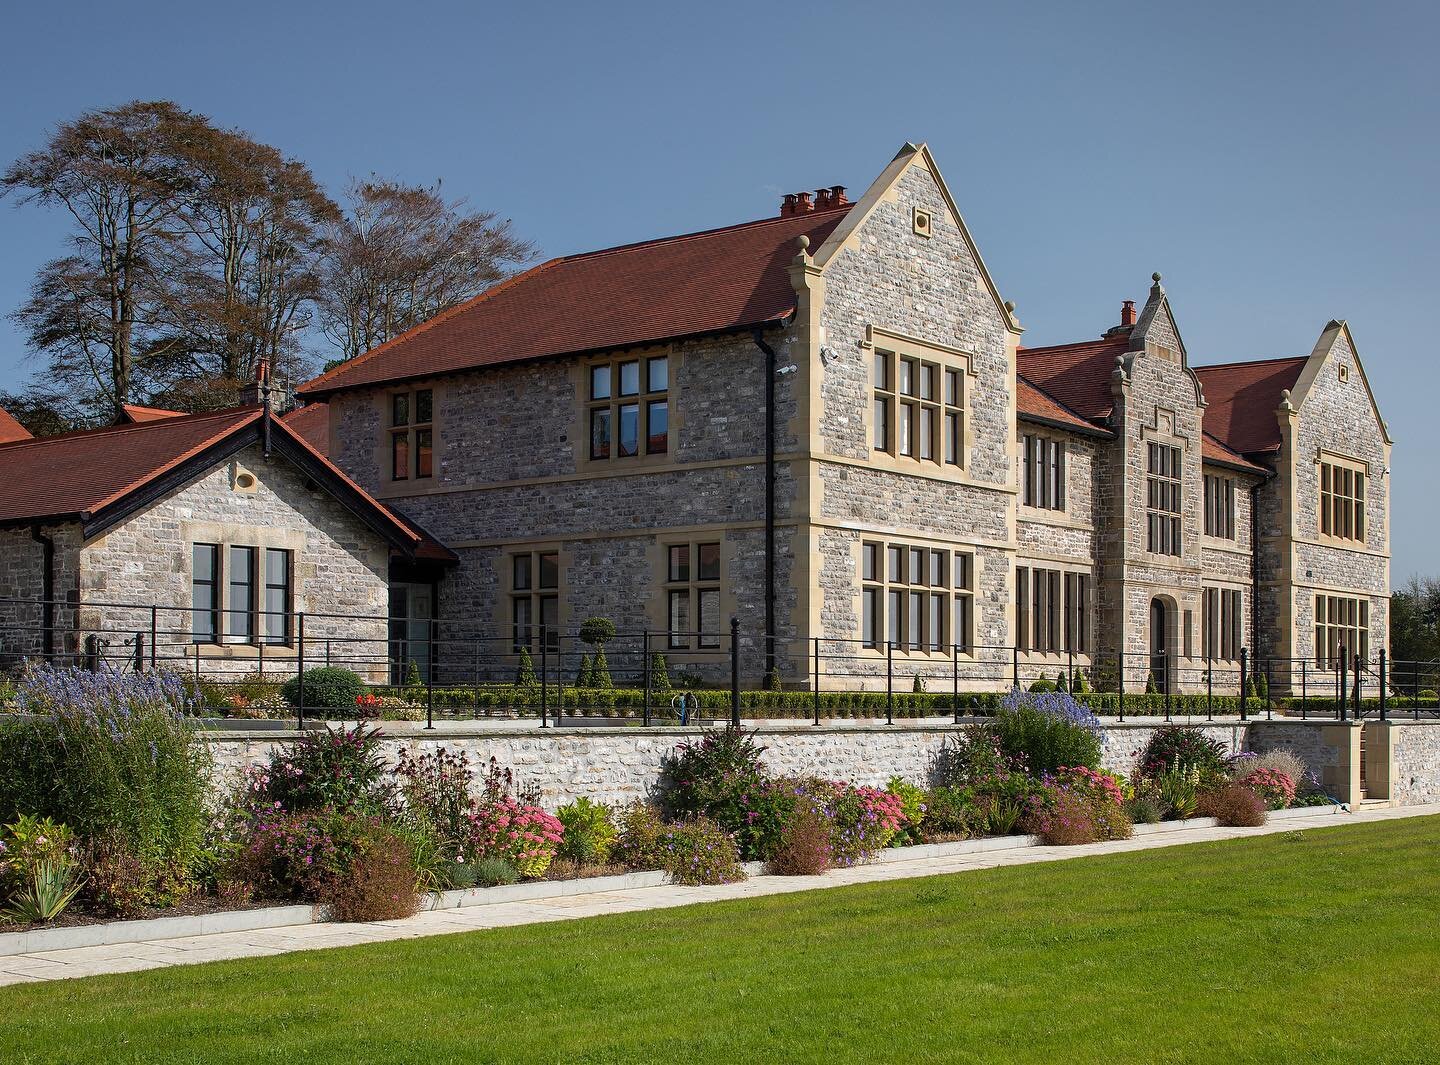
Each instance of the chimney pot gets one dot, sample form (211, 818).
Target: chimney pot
(803, 204)
(1127, 313)
(787, 205)
(822, 199)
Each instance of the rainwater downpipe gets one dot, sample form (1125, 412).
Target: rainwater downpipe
(760, 343)
(47, 589)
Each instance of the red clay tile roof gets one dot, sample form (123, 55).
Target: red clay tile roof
(1214, 450)
(75, 476)
(1078, 375)
(312, 423)
(1242, 398)
(11, 430)
(709, 282)
(135, 413)
(1036, 405)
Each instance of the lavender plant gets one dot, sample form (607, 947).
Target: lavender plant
(113, 756)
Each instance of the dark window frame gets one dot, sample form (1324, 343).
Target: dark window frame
(412, 436)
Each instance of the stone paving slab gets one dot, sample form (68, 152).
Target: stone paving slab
(223, 946)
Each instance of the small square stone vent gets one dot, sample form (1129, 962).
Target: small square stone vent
(921, 222)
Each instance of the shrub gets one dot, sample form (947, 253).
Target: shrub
(29, 843)
(1049, 730)
(1177, 792)
(1276, 789)
(111, 755)
(524, 835)
(327, 688)
(1144, 810)
(600, 670)
(597, 631)
(436, 787)
(1062, 818)
(1104, 794)
(700, 851)
(1042, 685)
(1233, 805)
(640, 841)
(718, 776)
(49, 889)
(912, 810)
(865, 819)
(805, 843)
(378, 882)
(1178, 747)
(660, 674)
(492, 871)
(973, 758)
(953, 812)
(1282, 759)
(583, 675)
(342, 770)
(525, 677)
(116, 880)
(589, 831)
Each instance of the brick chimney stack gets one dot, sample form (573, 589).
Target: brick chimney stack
(1127, 313)
(837, 196)
(803, 204)
(795, 203)
(822, 199)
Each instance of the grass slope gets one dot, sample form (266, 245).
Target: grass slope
(1309, 946)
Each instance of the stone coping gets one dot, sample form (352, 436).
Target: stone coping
(93, 935)
(769, 727)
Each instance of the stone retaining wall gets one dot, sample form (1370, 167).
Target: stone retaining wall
(617, 765)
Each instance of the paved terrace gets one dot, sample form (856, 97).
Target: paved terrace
(191, 950)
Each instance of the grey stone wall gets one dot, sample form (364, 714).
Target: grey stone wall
(1416, 763)
(341, 566)
(622, 765)
(22, 585)
(1337, 417)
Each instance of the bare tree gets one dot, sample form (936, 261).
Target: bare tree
(120, 175)
(242, 284)
(402, 255)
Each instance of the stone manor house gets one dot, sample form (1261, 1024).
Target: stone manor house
(822, 423)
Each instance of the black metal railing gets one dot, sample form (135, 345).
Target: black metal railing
(448, 669)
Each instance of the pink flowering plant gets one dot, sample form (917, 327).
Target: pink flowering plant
(1275, 787)
(523, 835)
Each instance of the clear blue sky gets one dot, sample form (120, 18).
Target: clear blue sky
(1277, 162)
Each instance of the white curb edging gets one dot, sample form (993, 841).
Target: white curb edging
(95, 935)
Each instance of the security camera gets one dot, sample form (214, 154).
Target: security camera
(787, 369)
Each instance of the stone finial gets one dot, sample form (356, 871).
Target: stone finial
(1156, 289)
(1286, 407)
(803, 241)
(1118, 374)
(802, 256)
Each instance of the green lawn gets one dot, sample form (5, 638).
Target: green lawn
(1304, 947)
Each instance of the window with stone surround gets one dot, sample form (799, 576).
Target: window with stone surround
(1220, 506)
(412, 435)
(1164, 469)
(1342, 500)
(1221, 614)
(1052, 611)
(918, 411)
(1341, 624)
(205, 593)
(1044, 469)
(692, 594)
(628, 407)
(916, 599)
(252, 588)
(535, 599)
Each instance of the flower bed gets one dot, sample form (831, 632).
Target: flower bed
(103, 798)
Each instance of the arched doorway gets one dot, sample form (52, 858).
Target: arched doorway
(1159, 641)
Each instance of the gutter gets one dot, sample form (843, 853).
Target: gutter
(758, 336)
(47, 589)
